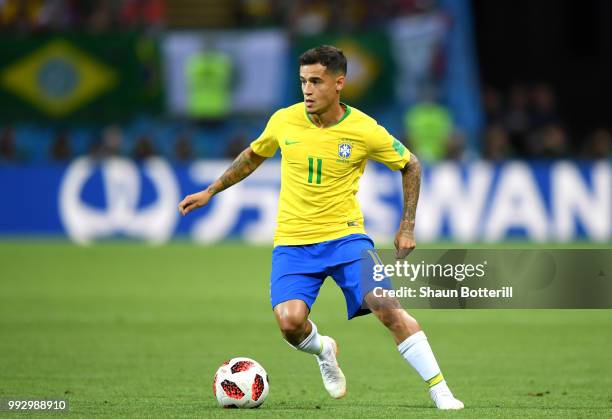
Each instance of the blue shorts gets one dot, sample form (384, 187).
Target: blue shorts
(298, 272)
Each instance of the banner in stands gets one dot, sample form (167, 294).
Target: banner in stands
(95, 77)
(233, 70)
(435, 59)
(90, 200)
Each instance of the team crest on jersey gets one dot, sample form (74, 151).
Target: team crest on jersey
(344, 150)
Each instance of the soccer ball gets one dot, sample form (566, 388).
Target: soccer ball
(241, 382)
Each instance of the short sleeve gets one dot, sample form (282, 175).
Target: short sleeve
(385, 148)
(267, 143)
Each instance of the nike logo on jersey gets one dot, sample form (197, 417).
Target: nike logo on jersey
(289, 142)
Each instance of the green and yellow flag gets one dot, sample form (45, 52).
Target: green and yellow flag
(58, 78)
(94, 77)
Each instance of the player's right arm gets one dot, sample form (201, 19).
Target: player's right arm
(250, 159)
(243, 165)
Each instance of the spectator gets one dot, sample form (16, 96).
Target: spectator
(144, 148)
(517, 118)
(429, 128)
(112, 141)
(142, 12)
(310, 17)
(8, 150)
(259, 12)
(102, 16)
(599, 145)
(21, 14)
(544, 106)
(493, 105)
(183, 149)
(404, 7)
(349, 15)
(456, 146)
(236, 145)
(497, 143)
(59, 14)
(61, 150)
(549, 142)
(208, 75)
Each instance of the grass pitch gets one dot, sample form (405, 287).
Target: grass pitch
(127, 330)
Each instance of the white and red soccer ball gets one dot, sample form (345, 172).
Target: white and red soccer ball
(241, 382)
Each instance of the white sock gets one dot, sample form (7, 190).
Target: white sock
(313, 344)
(417, 352)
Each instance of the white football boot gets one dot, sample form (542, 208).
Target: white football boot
(333, 378)
(443, 397)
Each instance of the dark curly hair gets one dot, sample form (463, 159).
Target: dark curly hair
(327, 55)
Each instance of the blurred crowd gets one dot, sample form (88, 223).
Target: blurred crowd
(36, 15)
(523, 121)
(307, 17)
(61, 145)
(511, 132)
(299, 16)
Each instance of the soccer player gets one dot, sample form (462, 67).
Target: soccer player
(325, 145)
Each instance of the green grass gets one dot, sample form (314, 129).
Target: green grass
(127, 330)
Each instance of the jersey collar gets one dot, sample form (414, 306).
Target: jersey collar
(346, 114)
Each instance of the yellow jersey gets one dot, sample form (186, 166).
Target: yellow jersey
(320, 171)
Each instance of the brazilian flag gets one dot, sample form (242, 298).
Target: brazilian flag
(77, 78)
(370, 65)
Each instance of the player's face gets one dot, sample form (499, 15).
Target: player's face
(320, 87)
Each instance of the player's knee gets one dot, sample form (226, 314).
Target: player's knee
(292, 327)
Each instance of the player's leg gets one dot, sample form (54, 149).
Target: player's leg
(293, 291)
(301, 333)
(292, 296)
(411, 340)
(414, 347)
(390, 313)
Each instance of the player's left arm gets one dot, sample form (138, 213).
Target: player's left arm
(411, 182)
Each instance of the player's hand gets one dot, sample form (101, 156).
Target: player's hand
(194, 201)
(404, 242)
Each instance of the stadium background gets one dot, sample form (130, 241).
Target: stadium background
(112, 110)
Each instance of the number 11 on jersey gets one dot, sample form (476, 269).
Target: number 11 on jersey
(311, 169)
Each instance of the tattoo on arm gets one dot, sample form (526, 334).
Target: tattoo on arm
(241, 167)
(411, 181)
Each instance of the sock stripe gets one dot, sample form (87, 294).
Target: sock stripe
(435, 380)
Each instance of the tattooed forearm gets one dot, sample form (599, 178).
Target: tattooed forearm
(242, 166)
(411, 181)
